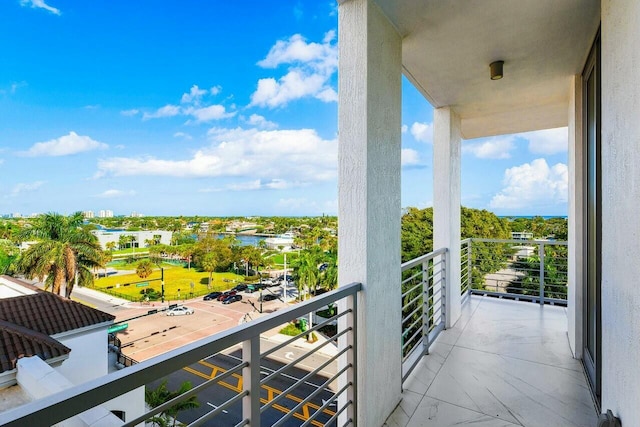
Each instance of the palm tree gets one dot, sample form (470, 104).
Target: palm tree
(144, 269)
(111, 246)
(161, 394)
(65, 252)
(209, 264)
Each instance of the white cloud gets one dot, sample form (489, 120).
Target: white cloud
(258, 184)
(26, 187)
(182, 135)
(92, 107)
(422, 132)
(206, 114)
(260, 122)
(498, 147)
(311, 66)
(130, 113)
(533, 185)
(549, 141)
(166, 111)
(215, 90)
(410, 157)
(109, 194)
(269, 155)
(13, 87)
(40, 4)
(404, 128)
(64, 146)
(194, 95)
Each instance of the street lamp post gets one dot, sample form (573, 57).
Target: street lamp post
(162, 282)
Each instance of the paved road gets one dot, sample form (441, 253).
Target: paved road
(218, 393)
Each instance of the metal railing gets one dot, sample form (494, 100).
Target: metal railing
(327, 392)
(423, 306)
(528, 270)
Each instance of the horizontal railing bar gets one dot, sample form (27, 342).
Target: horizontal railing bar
(184, 396)
(300, 335)
(70, 402)
(301, 358)
(422, 258)
(412, 289)
(311, 396)
(521, 242)
(340, 411)
(410, 315)
(302, 380)
(410, 340)
(220, 408)
(242, 423)
(325, 405)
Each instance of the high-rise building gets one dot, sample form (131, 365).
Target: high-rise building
(88, 214)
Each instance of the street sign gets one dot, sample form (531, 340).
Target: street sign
(142, 285)
(118, 328)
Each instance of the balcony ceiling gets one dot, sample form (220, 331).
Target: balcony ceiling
(449, 44)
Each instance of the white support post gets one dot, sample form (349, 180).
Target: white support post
(251, 381)
(446, 204)
(369, 124)
(576, 189)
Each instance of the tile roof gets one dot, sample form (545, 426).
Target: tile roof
(17, 341)
(50, 314)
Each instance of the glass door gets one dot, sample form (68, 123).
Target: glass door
(592, 219)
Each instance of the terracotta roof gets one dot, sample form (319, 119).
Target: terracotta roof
(17, 341)
(50, 314)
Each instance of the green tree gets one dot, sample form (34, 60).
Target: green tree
(111, 246)
(209, 264)
(161, 394)
(144, 269)
(305, 270)
(64, 252)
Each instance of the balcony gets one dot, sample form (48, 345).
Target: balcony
(505, 362)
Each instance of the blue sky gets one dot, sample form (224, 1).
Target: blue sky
(212, 108)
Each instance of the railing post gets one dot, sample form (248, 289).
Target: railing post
(469, 268)
(443, 290)
(251, 381)
(350, 397)
(541, 256)
(425, 307)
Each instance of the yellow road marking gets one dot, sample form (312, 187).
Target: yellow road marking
(271, 393)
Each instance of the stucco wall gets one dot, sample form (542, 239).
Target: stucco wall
(369, 198)
(621, 209)
(88, 357)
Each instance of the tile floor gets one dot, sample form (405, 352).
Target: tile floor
(504, 363)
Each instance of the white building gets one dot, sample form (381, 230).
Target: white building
(142, 239)
(105, 214)
(50, 343)
(88, 214)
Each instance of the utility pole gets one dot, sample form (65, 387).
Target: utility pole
(284, 284)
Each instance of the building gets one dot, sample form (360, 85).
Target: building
(141, 239)
(489, 68)
(105, 214)
(88, 214)
(49, 343)
(521, 235)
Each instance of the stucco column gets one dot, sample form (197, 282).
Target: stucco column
(446, 203)
(369, 199)
(576, 189)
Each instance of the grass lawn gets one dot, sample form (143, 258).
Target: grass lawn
(278, 258)
(175, 277)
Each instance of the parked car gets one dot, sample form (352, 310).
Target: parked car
(267, 297)
(255, 287)
(226, 294)
(179, 311)
(232, 298)
(281, 278)
(240, 287)
(212, 296)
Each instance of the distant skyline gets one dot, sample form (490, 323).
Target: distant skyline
(209, 108)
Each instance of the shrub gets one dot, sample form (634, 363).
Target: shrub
(291, 330)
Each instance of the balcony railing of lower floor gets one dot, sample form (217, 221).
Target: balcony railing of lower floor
(255, 385)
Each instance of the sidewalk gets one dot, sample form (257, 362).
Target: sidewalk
(329, 349)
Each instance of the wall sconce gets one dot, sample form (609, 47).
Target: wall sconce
(496, 70)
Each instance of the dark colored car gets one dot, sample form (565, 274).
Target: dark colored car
(256, 287)
(212, 296)
(268, 297)
(232, 298)
(226, 294)
(240, 287)
(281, 278)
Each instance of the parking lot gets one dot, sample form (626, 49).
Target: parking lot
(150, 335)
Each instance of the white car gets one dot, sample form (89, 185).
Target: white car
(179, 311)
